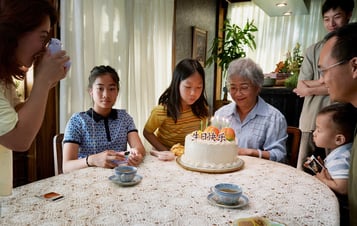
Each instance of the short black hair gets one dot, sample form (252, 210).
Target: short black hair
(346, 5)
(345, 47)
(101, 70)
(344, 116)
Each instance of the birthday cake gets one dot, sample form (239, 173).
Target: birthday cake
(211, 149)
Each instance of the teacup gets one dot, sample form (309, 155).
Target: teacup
(226, 193)
(125, 173)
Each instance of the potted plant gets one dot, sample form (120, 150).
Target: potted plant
(232, 46)
(291, 66)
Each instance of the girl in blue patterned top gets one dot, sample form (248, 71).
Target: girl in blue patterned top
(99, 136)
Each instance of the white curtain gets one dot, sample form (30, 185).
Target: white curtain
(278, 35)
(132, 36)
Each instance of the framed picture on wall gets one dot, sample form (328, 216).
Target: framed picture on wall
(199, 45)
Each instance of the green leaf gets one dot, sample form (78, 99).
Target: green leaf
(231, 47)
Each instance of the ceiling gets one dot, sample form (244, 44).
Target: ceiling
(296, 7)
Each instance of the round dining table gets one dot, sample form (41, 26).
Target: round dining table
(169, 194)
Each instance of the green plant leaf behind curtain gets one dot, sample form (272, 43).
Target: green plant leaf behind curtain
(232, 46)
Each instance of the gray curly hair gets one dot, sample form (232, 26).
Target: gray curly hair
(245, 68)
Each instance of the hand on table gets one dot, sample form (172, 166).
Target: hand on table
(244, 151)
(247, 151)
(106, 159)
(135, 157)
(163, 155)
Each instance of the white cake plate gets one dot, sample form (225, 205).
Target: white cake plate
(239, 165)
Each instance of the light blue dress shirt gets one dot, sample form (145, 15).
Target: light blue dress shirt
(264, 128)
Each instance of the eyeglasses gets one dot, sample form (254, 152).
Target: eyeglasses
(322, 71)
(243, 89)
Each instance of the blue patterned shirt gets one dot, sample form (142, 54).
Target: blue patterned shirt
(338, 161)
(95, 133)
(264, 128)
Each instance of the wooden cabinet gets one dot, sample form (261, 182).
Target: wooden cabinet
(19, 168)
(285, 100)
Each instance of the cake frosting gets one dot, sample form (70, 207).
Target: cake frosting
(209, 151)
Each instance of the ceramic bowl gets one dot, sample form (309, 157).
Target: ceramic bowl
(227, 194)
(269, 81)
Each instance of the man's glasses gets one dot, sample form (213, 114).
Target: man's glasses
(323, 70)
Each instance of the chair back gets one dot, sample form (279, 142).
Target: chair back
(57, 153)
(293, 145)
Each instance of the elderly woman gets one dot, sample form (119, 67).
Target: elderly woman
(260, 128)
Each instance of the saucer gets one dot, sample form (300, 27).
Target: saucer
(135, 181)
(243, 201)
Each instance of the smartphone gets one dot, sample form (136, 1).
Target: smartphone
(315, 165)
(51, 196)
(126, 154)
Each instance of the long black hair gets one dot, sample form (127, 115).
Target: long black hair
(171, 98)
(17, 17)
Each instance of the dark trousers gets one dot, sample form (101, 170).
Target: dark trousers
(344, 210)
